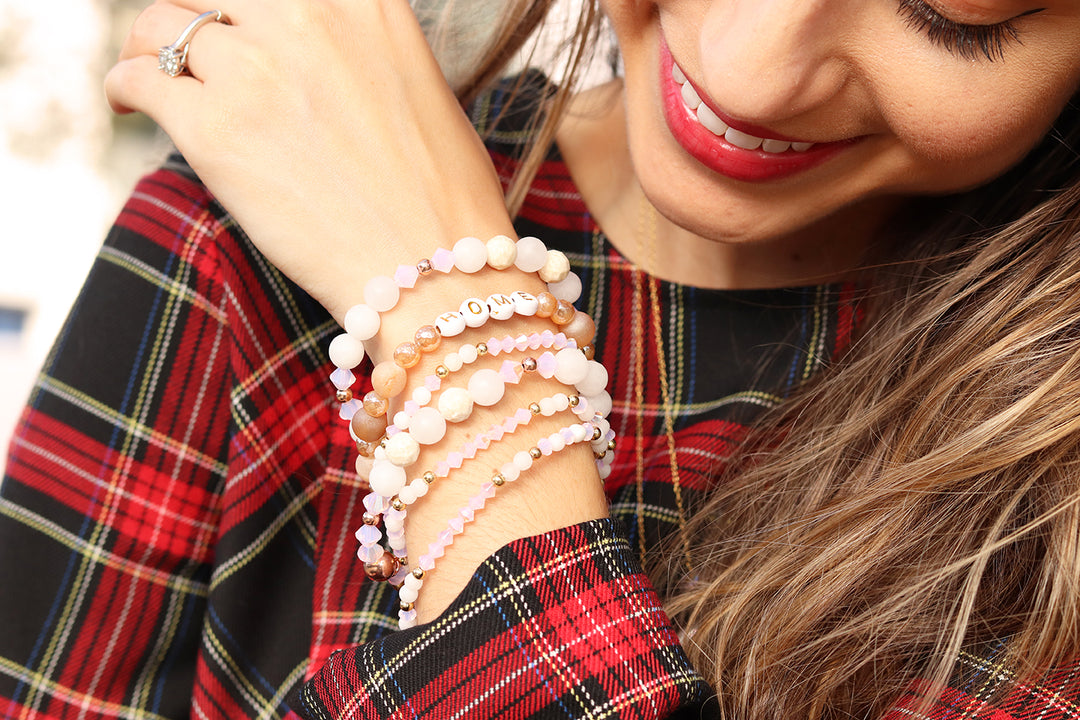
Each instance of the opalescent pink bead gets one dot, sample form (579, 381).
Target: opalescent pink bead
(405, 276)
(368, 534)
(369, 554)
(443, 260)
(457, 525)
(546, 365)
(342, 378)
(522, 415)
(426, 563)
(508, 371)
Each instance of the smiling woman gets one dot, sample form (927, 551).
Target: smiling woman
(806, 447)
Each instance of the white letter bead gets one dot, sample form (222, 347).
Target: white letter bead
(456, 404)
(402, 449)
(346, 351)
(596, 379)
(571, 366)
(531, 254)
(501, 252)
(428, 426)
(381, 293)
(486, 387)
(500, 306)
(386, 478)
(475, 311)
(362, 322)
(470, 254)
(569, 289)
(453, 361)
(555, 268)
(524, 303)
(450, 324)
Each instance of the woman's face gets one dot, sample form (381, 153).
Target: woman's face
(810, 107)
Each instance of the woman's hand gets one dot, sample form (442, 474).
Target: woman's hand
(324, 126)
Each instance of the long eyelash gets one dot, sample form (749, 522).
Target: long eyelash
(968, 41)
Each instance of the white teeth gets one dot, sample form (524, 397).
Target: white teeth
(711, 122)
(708, 118)
(741, 139)
(690, 96)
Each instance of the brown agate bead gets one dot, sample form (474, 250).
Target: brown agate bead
(563, 313)
(367, 427)
(582, 329)
(546, 304)
(382, 569)
(388, 378)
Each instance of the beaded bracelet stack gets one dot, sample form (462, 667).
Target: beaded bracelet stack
(389, 446)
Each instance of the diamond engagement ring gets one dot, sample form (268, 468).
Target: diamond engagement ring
(172, 59)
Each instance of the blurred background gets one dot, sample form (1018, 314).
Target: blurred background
(67, 164)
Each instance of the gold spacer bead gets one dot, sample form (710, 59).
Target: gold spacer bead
(344, 396)
(481, 349)
(498, 480)
(598, 456)
(406, 606)
(611, 444)
(535, 454)
(396, 503)
(534, 408)
(370, 519)
(429, 477)
(442, 371)
(418, 573)
(575, 400)
(596, 434)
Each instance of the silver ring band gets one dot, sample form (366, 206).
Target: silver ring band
(172, 59)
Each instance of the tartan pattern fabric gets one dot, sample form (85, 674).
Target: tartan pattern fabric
(177, 512)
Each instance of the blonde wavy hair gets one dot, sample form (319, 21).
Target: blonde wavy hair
(921, 497)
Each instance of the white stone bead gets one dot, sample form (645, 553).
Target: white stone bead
(605, 471)
(501, 252)
(406, 495)
(525, 304)
(510, 471)
(468, 354)
(523, 460)
(419, 487)
(475, 311)
(579, 432)
(556, 267)
(531, 254)
(501, 307)
(595, 380)
(450, 324)
(571, 366)
(402, 449)
(421, 396)
(456, 404)
(547, 407)
(561, 401)
(569, 289)
(363, 466)
(401, 420)
(386, 478)
(407, 594)
(428, 426)
(411, 581)
(406, 623)
(557, 441)
(601, 403)
(486, 387)
(470, 254)
(346, 351)
(362, 322)
(453, 361)
(395, 522)
(381, 293)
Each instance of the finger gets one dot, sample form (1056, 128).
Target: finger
(162, 24)
(137, 84)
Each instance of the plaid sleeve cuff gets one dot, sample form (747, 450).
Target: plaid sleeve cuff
(560, 625)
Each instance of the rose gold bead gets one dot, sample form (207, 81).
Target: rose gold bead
(344, 396)
(535, 454)
(429, 477)
(582, 329)
(427, 338)
(368, 428)
(382, 569)
(563, 313)
(481, 349)
(424, 267)
(547, 304)
(370, 519)
(388, 378)
(375, 405)
(407, 354)
(528, 364)
(589, 351)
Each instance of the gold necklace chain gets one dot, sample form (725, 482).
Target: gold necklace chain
(647, 230)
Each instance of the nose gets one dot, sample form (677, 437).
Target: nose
(770, 60)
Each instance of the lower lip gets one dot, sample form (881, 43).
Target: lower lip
(718, 154)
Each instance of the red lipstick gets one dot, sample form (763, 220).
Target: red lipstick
(721, 156)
